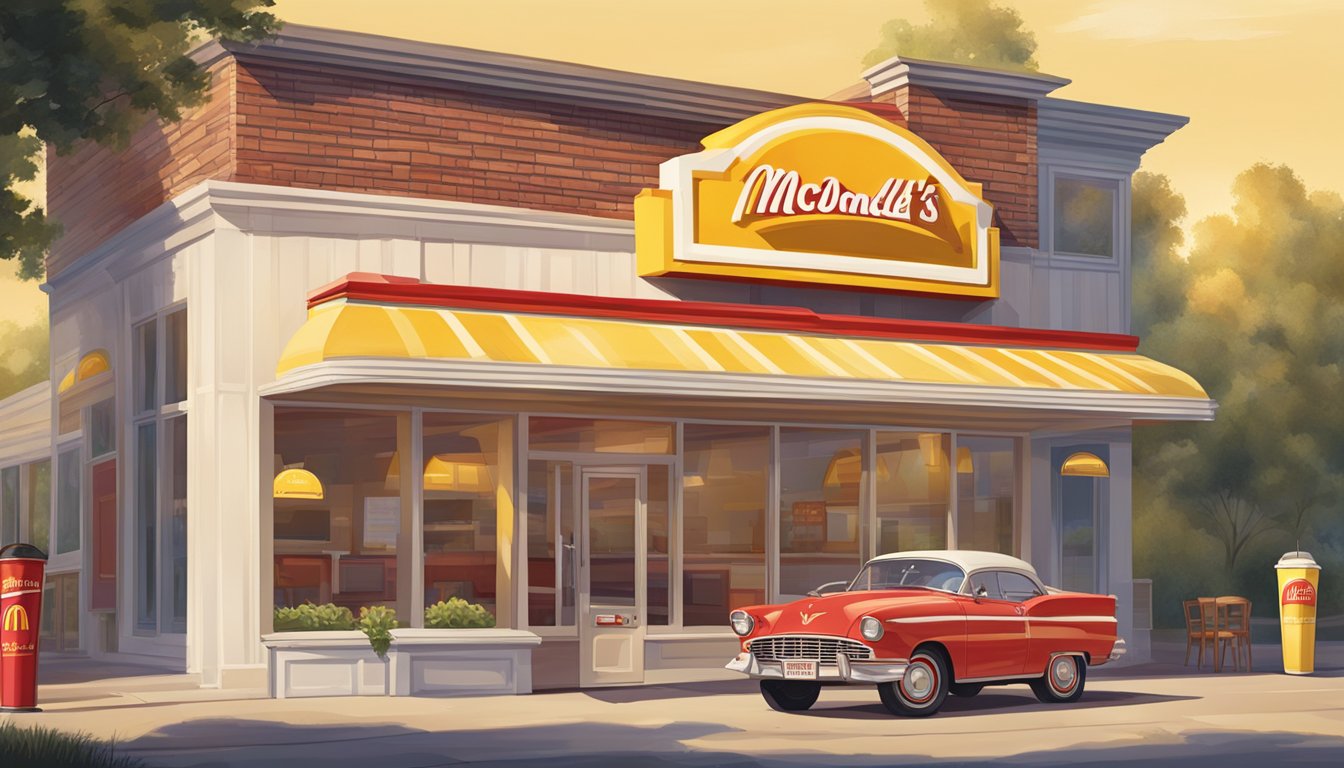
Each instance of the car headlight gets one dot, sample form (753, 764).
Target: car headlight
(870, 628)
(742, 623)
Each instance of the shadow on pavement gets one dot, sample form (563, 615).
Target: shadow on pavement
(670, 691)
(990, 701)
(264, 744)
(74, 671)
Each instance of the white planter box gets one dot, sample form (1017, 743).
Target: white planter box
(420, 662)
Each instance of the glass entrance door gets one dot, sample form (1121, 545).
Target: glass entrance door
(612, 552)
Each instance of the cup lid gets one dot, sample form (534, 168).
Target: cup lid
(19, 550)
(1297, 560)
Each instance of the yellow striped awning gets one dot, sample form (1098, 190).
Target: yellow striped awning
(343, 326)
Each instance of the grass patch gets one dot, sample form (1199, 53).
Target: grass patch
(39, 747)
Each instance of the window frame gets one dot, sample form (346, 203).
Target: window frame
(1117, 183)
(522, 455)
(160, 417)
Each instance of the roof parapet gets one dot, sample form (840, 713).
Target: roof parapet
(609, 88)
(899, 72)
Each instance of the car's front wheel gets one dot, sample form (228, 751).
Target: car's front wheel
(790, 695)
(1063, 680)
(923, 688)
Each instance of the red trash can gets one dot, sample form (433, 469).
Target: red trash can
(22, 569)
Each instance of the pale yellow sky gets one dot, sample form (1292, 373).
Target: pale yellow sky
(1259, 80)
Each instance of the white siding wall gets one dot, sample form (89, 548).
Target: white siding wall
(246, 273)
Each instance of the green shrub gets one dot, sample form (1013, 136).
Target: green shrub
(312, 618)
(457, 613)
(377, 622)
(38, 747)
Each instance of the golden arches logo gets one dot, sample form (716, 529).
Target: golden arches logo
(16, 619)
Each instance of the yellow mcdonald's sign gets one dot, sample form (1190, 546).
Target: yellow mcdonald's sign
(819, 193)
(16, 619)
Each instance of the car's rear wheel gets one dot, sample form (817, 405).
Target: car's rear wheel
(923, 688)
(966, 690)
(790, 695)
(1063, 680)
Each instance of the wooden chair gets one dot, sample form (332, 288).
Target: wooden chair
(1234, 628)
(1196, 631)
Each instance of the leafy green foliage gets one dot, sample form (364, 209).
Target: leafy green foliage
(974, 32)
(96, 69)
(313, 618)
(38, 747)
(457, 613)
(23, 356)
(378, 621)
(1256, 315)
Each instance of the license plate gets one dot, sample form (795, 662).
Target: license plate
(800, 670)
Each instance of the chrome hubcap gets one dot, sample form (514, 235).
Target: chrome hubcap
(918, 681)
(1064, 672)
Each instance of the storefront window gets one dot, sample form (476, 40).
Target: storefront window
(159, 376)
(144, 340)
(725, 486)
(67, 501)
(1077, 535)
(102, 429)
(986, 492)
(819, 516)
(175, 357)
(174, 546)
(39, 504)
(146, 527)
(461, 476)
(913, 490)
(600, 436)
(336, 529)
(552, 562)
(659, 552)
(9, 505)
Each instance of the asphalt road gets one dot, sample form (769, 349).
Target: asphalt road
(1193, 719)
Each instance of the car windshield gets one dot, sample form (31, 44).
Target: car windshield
(909, 572)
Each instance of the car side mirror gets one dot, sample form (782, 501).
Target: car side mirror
(981, 592)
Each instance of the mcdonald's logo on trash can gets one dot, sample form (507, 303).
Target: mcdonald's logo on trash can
(22, 572)
(16, 618)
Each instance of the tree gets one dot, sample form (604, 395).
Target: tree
(965, 31)
(23, 356)
(72, 70)
(1160, 273)
(1256, 315)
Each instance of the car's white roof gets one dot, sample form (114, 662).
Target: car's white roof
(968, 559)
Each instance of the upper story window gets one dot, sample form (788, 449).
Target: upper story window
(1085, 216)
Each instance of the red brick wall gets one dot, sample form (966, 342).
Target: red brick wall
(346, 130)
(321, 127)
(94, 191)
(991, 141)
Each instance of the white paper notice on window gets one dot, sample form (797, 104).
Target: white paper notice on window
(382, 521)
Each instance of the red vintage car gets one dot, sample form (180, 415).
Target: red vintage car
(921, 625)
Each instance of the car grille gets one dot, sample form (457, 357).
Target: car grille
(817, 648)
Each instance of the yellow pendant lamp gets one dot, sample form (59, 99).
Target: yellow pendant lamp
(1084, 464)
(965, 465)
(297, 483)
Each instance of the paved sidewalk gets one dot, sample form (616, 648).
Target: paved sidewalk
(1152, 713)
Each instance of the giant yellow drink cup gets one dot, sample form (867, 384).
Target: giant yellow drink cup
(1298, 577)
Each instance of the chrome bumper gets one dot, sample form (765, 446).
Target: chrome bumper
(846, 670)
(1117, 650)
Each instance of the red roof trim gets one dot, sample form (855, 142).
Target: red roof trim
(386, 289)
